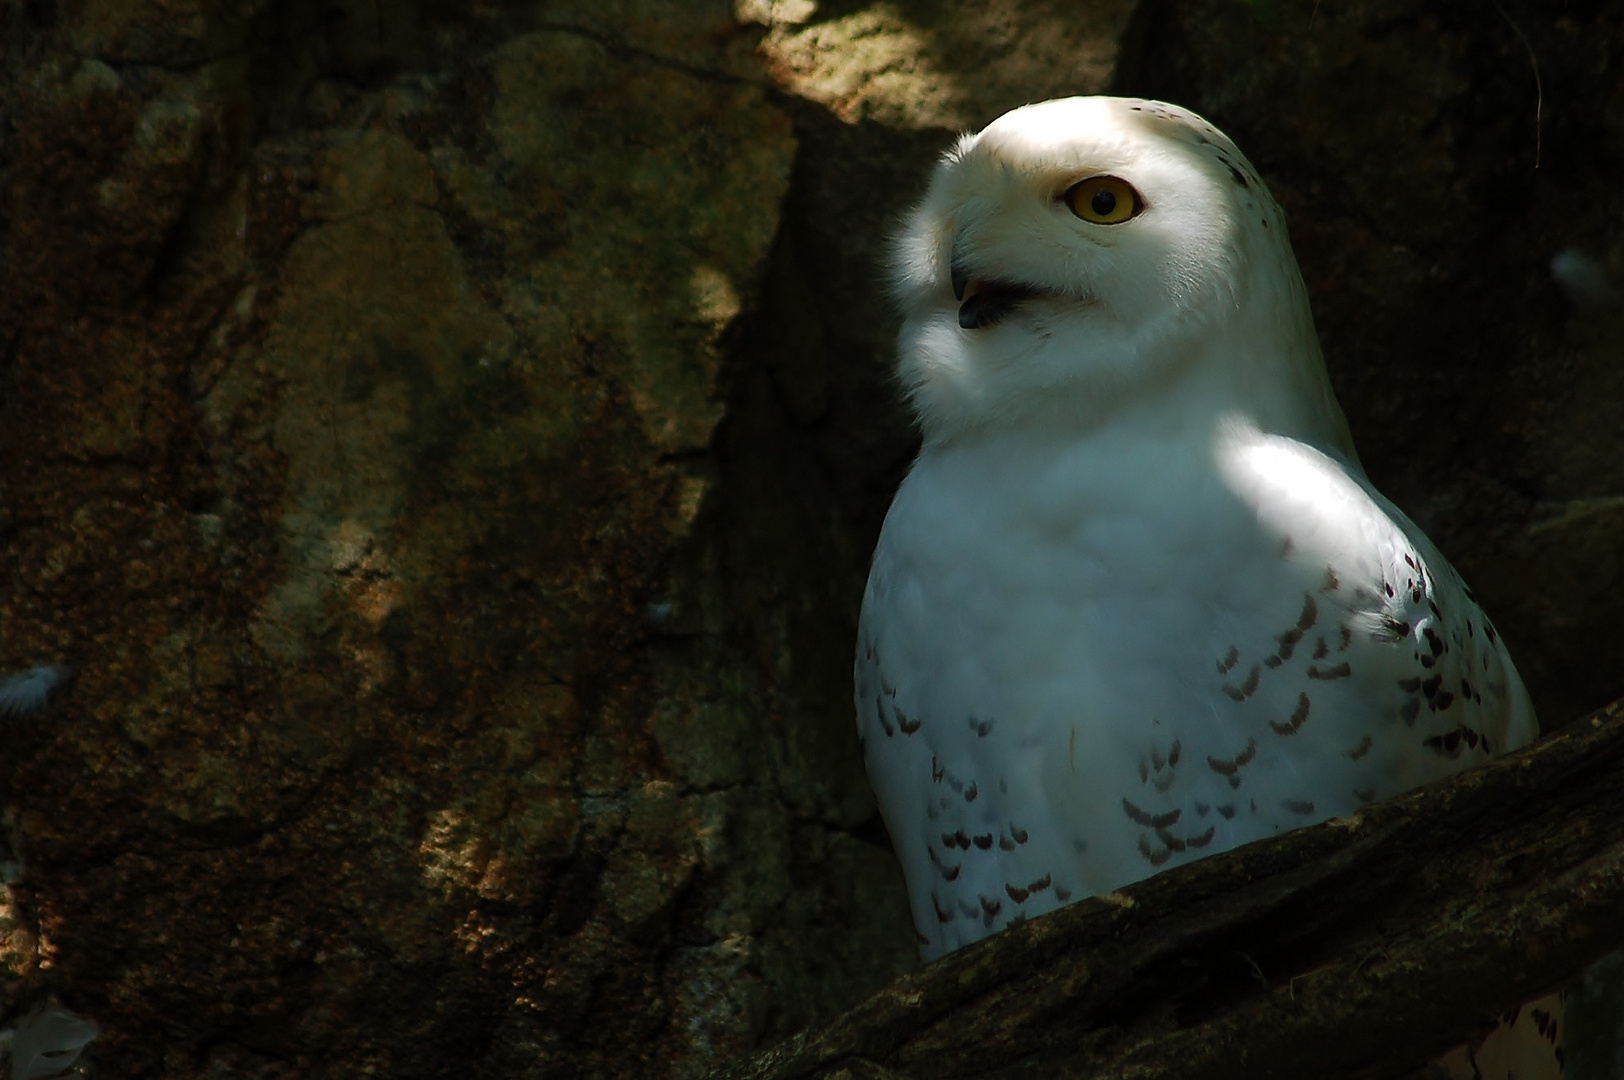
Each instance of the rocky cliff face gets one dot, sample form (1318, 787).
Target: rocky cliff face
(447, 440)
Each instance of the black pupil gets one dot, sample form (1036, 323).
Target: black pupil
(1103, 202)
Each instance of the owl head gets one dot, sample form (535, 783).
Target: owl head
(1081, 256)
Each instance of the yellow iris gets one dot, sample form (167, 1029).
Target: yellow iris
(1104, 200)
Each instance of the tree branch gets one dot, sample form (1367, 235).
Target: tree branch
(1359, 948)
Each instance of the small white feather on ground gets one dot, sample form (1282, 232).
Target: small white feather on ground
(27, 691)
(47, 1042)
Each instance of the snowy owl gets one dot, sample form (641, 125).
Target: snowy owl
(1136, 601)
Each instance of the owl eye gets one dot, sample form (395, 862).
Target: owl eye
(1104, 200)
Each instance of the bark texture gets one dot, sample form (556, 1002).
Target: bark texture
(447, 440)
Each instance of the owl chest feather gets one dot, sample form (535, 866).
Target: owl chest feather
(1079, 665)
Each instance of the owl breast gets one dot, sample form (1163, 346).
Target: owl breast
(1081, 664)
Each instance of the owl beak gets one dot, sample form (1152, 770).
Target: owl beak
(986, 302)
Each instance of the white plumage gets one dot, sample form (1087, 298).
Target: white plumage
(26, 692)
(1136, 601)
